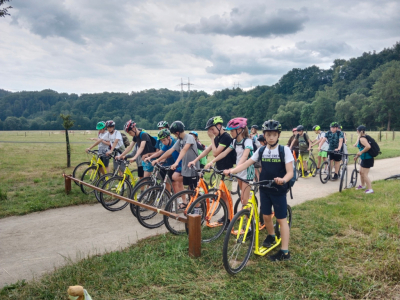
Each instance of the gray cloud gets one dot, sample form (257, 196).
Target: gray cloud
(255, 22)
(48, 19)
(324, 47)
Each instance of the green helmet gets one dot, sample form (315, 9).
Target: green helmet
(316, 127)
(334, 124)
(101, 125)
(163, 133)
(272, 125)
(214, 121)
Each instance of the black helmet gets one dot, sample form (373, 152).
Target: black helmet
(110, 123)
(272, 125)
(177, 126)
(254, 126)
(214, 121)
(361, 128)
(261, 138)
(300, 128)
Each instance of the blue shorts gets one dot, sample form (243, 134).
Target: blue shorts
(147, 166)
(278, 201)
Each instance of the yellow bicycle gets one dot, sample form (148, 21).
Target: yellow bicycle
(80, 168)
(312, 166)
(243, 231)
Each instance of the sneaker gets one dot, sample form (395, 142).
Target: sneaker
(305, 173)
(335, 177)
(317, 171)
(371, 191)
(279, 256)
(221, 221)
(269, 241)
(249, 235)
(360, 187)
(227, 224)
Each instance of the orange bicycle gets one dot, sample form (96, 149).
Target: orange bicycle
(180, 202)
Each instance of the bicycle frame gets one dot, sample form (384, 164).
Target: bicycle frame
(310, 155)
(200, 185)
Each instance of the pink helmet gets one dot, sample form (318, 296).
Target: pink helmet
(236, 123)
(294, 129)
(129, 125)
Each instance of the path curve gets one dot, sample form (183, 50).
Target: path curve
(34, 244)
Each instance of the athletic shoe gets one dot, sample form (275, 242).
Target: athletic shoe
(269, 241)
(369, 191)
(249, 235)
(360, 187)
(335, 177)
(305, 173)
(221, 220)
(280, 255)
(317, 171)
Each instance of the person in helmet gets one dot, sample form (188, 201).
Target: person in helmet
(323, 154)
(261, 139)
(367, 161)
(145, 146)
(254, 135)
(281, 172)
(187, 147)
(200, 148)
(103, 143)
(220, 141)
(168, 142)
(162, 125)
(242, 145)
(304, 146)
(335, 141)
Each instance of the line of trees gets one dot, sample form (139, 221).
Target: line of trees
(363, 90)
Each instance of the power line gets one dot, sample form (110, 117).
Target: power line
(188, 85)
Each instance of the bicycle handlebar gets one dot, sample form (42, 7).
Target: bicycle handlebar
(166, 168)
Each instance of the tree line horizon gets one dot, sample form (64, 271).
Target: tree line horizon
(362, 90)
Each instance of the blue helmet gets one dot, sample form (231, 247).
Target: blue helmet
(194, 133)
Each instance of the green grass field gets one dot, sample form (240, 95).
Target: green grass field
(344, 246)
(31, 172)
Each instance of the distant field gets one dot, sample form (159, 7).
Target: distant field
(30, 176)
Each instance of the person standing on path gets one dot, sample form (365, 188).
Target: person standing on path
(367, 161)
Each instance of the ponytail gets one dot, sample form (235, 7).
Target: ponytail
(245, 133)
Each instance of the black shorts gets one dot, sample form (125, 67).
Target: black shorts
(170, 173)
(335, 157)
(277, 201)
(140, 171)
(190, 181)
(367, 163)
(105, 160)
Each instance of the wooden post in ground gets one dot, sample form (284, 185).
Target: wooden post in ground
(194, 224)
(393, 135)
(67, 185)
(380, 135)
(25, 133)
(386, 135)
(351, 141)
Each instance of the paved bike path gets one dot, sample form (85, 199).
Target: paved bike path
(34, 244)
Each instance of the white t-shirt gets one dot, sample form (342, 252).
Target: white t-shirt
(248, 144)
(273, 154)
(103, 148)
(325, 146)
(116, 135)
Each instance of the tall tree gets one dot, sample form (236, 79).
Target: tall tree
(67, 124)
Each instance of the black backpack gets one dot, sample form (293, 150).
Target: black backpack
(125, 140)
(244, 140)
(282, 157)
(374, 151)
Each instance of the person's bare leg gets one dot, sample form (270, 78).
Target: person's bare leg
(285, 233)
(269, 225)
(245, 192)
(366, 179)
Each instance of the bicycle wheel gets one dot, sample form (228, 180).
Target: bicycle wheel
(99, 184)
(115, 185)
(79, 169)
(174, 206)
(139, 188)
(353, 180)
(288, 218)
(237, 249)
(212, 225)
(157, 197)
(312, 167)
(91, 175)
(343, 178)
(238, 206)
(324, 172)
(213, 180)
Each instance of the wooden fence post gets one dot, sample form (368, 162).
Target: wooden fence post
(386, 135)
(25, 133)
(67, 185)
(393, 134)
(380, 135)
(194, 224)
(351, 141)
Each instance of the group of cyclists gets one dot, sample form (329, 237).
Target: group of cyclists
(236, 150)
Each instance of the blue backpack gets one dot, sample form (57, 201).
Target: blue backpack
(282, 157)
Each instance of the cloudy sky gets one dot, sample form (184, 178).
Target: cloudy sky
(96, 45)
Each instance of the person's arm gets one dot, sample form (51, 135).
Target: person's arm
(113, 146)
(366, 145)
(244, 157)
(219, 157)
(181, 155)
(239, 168)
(288, 176)
(202, 154)
(94, 145)
(321, 143)
(309, 143)
(127, 150)
(340, 144)
(154, 155)
(291, 144)
(139, 151)
(164, 156)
